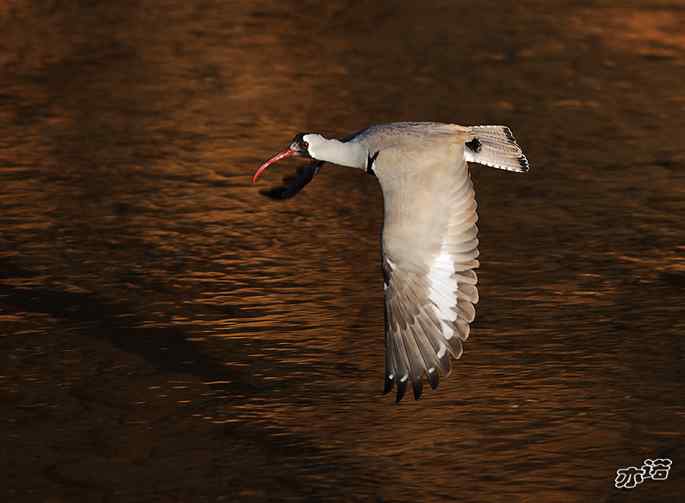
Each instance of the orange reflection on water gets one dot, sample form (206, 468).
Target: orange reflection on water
(151, 294)
(655, 33)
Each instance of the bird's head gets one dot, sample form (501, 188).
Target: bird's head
(306, 144)
(303, 145)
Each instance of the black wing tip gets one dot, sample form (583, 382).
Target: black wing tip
(292, 185)
(401, 390)
(389, 384)
(433, 378)
(417, 386)
(277, 193)
(522, 160)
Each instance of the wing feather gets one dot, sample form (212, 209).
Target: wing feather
(429, 263)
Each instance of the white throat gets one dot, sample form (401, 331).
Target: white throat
(350, 154)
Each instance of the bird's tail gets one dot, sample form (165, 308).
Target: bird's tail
(495, 146)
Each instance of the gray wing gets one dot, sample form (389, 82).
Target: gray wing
(430, 251)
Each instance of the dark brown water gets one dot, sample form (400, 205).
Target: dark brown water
(168, 334)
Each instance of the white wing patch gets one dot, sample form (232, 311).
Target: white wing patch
(443, 289)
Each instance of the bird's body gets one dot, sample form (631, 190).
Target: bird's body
(429, 243)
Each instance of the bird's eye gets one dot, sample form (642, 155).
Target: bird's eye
(305, 145)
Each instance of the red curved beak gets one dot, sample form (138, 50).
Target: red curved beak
(281, 155)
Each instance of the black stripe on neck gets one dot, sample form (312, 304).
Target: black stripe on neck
(369, 163)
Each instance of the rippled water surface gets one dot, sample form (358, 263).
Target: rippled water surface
(169, 334)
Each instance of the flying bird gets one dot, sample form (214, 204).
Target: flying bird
(429, 243)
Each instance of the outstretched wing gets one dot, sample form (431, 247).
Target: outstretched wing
(294, 184)
(430, 251)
